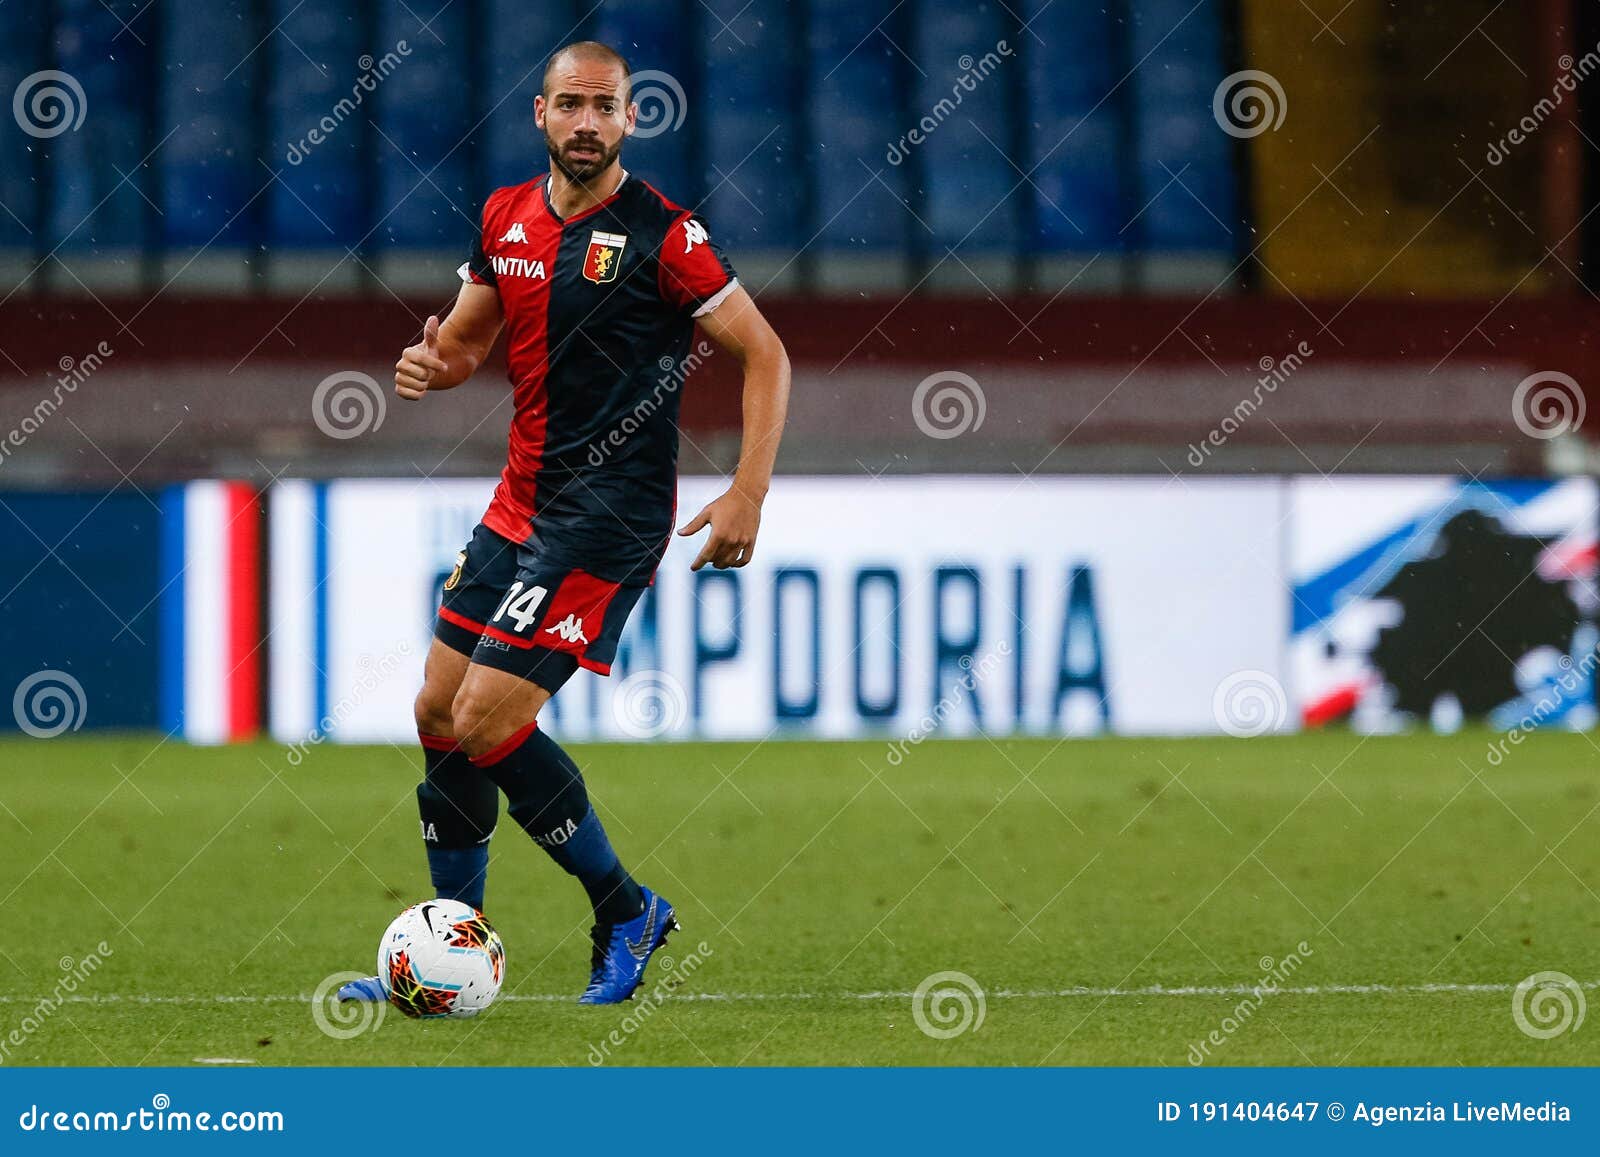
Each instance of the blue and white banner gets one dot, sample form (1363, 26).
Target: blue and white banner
(872, 607)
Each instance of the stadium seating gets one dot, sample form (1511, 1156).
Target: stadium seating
(831, 142)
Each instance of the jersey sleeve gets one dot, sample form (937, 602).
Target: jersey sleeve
(477, 269)
(694, 276)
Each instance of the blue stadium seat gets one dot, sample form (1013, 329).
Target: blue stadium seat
(970, 182)
(751, 118)
(320, 198)
(208, 169)
(1076, 140)
(94, 211)
(22, 53)
(856, 83)
(523, 37)
(653, 35)
(426, 196)
(1177, 133)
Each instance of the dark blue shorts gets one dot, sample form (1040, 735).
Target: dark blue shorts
(506, 608)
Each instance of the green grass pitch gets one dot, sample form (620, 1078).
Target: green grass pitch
(826, 882)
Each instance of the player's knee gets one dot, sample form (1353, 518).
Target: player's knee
(480, 724)
(433, 713)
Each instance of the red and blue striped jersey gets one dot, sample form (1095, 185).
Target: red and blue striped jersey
(599, 311)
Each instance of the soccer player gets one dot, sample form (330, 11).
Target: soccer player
(599, 281)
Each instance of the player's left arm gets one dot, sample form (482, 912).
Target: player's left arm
(738, 327)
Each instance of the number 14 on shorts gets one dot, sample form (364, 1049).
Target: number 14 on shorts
(520, 606)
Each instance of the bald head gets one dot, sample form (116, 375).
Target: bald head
(586, 52)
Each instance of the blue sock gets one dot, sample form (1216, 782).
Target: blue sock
(459, 873)
(547, 799)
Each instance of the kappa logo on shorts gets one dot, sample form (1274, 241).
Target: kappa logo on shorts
(570, 629)
(455, 575)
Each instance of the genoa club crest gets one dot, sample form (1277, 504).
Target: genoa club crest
(455, 575)
(605, 254)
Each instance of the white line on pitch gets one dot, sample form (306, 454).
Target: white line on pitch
(1154, 990)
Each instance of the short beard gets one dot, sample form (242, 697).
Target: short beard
(607, 159)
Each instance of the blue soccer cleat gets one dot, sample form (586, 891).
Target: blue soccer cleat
(622, 950)
(367, 988)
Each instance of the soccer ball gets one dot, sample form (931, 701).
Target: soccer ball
(441, 958)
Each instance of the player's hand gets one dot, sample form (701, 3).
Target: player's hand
(734, 519)
(415, 370)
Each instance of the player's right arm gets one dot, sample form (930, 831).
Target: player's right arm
(451, 351)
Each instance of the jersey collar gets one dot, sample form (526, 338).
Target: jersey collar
(544, 195)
